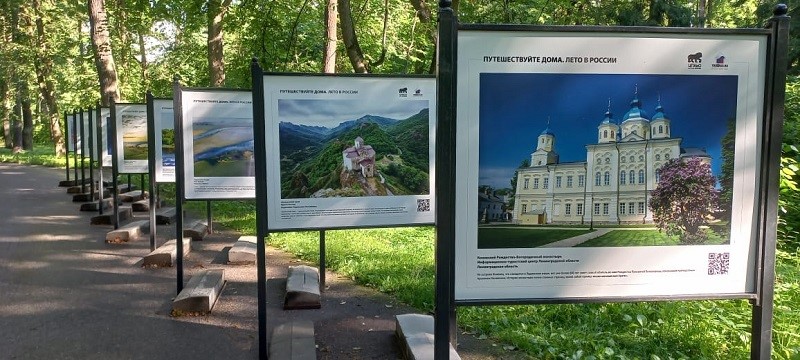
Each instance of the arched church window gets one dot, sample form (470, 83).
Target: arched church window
(641, 176)
(607, 178)
(622, 177)
(654, 128)
(605, 134)
(631, 177)
(612, 134)
(660, 129)
(597, 179)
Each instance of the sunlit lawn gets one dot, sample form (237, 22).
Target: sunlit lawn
(643, 238)
(491, 237)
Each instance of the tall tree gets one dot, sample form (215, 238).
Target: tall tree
(329, 56)
(353, 49)
(216, 64)
(44, 68)
(103, 55)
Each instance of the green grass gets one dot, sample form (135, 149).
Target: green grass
(38, 156)
(643, 238)
(527, 237)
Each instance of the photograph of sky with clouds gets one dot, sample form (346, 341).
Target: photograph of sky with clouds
(515, 108)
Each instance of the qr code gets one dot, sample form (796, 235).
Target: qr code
(423, 205)
(718, 263)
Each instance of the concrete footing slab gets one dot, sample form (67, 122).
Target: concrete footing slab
(165, 255)
(200, 293)
(132, 196)
(77, 189)
(302, 288)
(165, 215)
(73, 182)
(293, 341)
(415, 334)
(125, 214)
(93, 206)
(243, 251)
(86, 197)
(142, 205)
(197, 230)
(129, 232)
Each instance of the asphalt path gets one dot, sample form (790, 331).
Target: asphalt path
(66, 294)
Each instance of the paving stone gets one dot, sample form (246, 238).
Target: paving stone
(302, 288)
(415, 334)
(129, 232)
(200, 293)
(293, 341)
(132, 196)
(165, 215)
(165, 255)
(125, 214)
(197, 230)
(243, 251)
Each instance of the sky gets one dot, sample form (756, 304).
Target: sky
(515, 108)
(332, 112)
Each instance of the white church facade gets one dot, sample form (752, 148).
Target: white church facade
(612, 186)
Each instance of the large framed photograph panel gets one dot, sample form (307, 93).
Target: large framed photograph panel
(131, 147)
(607, 164)
(164, 120)
(73, 135)
(218, 144)
(349, 151)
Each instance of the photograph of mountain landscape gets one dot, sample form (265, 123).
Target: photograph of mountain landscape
(338, 148)
(223, 147)
(134, 137)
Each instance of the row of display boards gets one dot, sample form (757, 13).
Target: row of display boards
(346, 151)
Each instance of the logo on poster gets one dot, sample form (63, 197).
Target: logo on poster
(695, 61)
(720, 62)
(403, 92)
(418, 92)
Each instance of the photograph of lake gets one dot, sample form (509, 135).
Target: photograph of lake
(223, 147)
(134, 137)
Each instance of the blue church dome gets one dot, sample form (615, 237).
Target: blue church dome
(636, 111)
(547, 131)
(659, 115)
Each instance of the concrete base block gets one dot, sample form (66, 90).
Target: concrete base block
(125, 214)
(200, 293)
(197, 230)
(166, 215)
(71, 183)
(142, 205)
(165, 255)
(86, 197)
(415, 334)
(93, 206)
(77, 189)
(302, 288)
(243, 251)
(121, 188)
(293, 341)
(129, 232)
(132, 196)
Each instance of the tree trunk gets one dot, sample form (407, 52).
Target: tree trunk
(103, 56)
(329, 57)
(143, 60)
(44, 70)
(27, 118)
(5, 115)
(16, 127)
(216, 65)
(350, 39)
(424, 16)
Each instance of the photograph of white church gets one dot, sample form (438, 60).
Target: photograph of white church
(612, 162)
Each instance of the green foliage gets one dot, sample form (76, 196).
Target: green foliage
(789, 201)
(684, 198)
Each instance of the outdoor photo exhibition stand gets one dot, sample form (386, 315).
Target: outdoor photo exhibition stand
(557, 82)
(213, 133)
(103, 156)
(161, 164)
(67, 134)
(130, 151)
(302, 122)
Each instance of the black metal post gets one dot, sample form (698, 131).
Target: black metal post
(322, 261)
(444, 317)
(179, 181)
(151, 166)
(75, 146)
(141, 182)
(129, 182)
(66, 136)
(208, 216)
(90, 137)
(262, 228)
(114, 160)
(83, 155)
(775, 96)
(100, 186)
